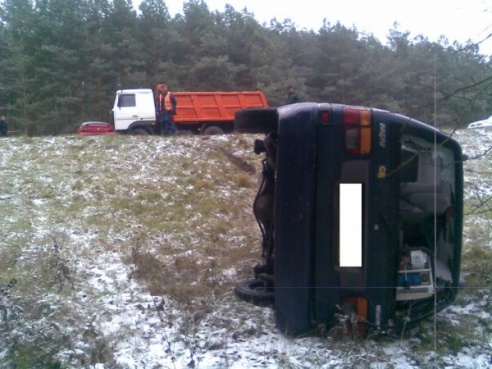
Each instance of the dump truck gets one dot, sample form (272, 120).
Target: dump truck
(197, 112)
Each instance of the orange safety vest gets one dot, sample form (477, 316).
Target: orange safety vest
(167, 101)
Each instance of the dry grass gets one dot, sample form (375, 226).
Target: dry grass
(477, 266)
(178, 213)
(176, 210)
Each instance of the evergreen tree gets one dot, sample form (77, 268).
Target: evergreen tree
(61, 62)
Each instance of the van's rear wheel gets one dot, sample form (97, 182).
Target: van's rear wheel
(256, 292)
(264, 120)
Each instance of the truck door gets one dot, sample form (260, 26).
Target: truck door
(125, 111)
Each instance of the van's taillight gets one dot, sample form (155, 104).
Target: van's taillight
(357, 130)
(358, 306)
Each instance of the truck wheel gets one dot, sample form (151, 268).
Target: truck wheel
(139, 132)
(212, 130)
(255, 292)
(264, 120)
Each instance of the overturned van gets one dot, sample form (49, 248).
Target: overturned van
(361, 212)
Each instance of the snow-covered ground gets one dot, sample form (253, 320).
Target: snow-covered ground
(76, 213)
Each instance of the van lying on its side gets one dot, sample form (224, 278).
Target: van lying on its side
(361, 213)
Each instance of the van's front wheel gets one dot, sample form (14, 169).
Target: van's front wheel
(256, 120)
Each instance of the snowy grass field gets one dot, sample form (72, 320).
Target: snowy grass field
(122, 252)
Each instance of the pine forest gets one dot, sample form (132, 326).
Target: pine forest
(62, 61)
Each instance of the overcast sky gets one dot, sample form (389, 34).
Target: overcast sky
(455, 19)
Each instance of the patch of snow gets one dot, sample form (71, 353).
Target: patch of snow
(106, 309)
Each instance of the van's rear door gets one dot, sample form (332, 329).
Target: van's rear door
(356, 210)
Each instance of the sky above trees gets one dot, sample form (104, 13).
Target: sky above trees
(455, 19)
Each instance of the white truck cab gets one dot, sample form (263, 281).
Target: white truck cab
(134, 111)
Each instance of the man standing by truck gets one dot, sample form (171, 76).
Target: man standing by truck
(292, 97)
(165, 110)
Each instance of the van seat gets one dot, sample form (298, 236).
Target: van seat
(429, 194)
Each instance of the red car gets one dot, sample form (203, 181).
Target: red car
(95, 128)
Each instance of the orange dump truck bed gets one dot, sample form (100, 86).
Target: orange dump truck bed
(213, 112)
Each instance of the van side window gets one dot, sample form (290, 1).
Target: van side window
(127, 101)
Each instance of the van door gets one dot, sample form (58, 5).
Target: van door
(355, 196)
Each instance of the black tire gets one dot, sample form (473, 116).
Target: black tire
(264, 120)
(139, 132)
(213, 130)
(255, 292)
